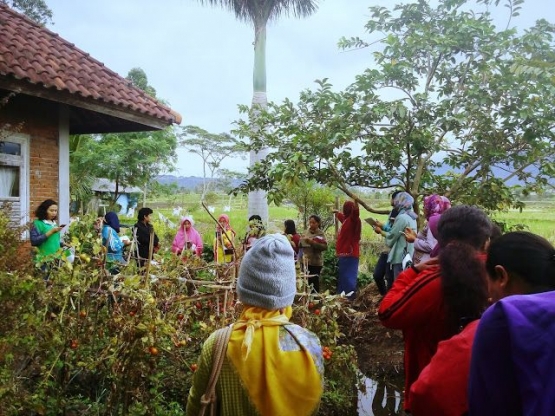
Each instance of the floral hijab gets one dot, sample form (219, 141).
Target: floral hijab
(435, 205)
(403, 202)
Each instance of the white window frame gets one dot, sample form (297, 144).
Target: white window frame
(22, 162)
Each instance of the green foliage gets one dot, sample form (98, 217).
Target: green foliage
(88, 343)
(313, 199)
(207, 253)
(80, 177)
(159, 190)
(263, 12)
(447, 89)
(36, 10)
(322, 315)
(139, 79)
(328, 275)
(11, 245)
(128, 159)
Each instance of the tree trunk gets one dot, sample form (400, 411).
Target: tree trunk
(258, 202)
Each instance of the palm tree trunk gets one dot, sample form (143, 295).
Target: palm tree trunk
(258, 202)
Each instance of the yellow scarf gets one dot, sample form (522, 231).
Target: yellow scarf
(277, 381)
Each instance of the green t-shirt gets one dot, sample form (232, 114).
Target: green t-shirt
(52, 243)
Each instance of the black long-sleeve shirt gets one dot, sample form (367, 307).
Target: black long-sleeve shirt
(143, 232)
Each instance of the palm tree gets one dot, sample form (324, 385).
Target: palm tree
(259, 13)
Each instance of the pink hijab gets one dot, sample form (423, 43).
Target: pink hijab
(227, 227)
(187, 236)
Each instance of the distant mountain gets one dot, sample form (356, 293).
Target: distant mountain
(497, 171)
(193, 182)
(187, 182)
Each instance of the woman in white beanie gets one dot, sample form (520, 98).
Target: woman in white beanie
(271, 367)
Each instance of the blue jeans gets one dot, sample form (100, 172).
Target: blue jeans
(348, 276)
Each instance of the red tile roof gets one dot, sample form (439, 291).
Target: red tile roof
(30, 53)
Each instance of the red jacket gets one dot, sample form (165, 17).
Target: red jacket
(442, 386)
(415, 305)
(348, 239)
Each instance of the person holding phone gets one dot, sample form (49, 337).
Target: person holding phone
(313, 243)
(187, 238)
(382, 274)
(395, 237)
(45, 233)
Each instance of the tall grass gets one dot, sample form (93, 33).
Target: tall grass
(536, 217)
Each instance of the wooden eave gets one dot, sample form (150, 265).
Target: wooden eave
(87, 115)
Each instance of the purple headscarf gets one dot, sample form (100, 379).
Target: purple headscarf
(111, 218)
(432, 224)
(435, 204)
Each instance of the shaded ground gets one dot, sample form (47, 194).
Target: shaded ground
(379, 349)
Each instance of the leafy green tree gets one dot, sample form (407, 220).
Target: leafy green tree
(213, 150)
(128, 159)
(313, 199)
(36, 10)
(80, 171)
(259, 13)
(139, 79)
(226, 178)
(451, 104)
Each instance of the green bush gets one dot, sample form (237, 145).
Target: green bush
(328, 275)
(12, 249)
(88, 343)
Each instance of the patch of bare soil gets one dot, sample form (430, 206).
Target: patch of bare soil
(379, 349)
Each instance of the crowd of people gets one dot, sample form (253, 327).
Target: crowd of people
(476, 307)
(476, 315)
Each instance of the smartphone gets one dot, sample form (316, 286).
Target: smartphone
(62, 225)
(371, 221)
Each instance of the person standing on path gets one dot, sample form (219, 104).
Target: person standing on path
(271, 367)
(347, 248)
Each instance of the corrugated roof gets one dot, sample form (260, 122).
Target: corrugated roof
(32, 54)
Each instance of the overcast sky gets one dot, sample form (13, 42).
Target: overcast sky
(200, 59)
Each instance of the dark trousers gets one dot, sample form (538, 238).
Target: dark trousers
(383, 275)
(314, 280)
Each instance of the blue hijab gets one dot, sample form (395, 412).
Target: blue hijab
(111, 218)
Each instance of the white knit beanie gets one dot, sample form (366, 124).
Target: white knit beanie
(267, 276)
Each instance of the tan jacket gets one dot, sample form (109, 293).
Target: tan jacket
(314, 252)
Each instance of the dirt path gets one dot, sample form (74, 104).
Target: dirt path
(380, 350)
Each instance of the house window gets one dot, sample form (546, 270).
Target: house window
(13, 175)
(9, 181)
(10, 148)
